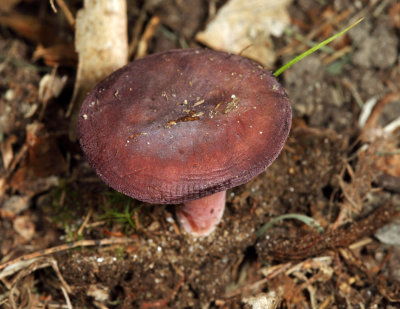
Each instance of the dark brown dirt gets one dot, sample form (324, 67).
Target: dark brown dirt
(331, 170)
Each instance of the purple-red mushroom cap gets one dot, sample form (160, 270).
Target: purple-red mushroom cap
(181, 125)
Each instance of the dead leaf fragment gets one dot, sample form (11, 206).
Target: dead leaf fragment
(263, 301)
(14, 206)
(246, 26)
(98, 292)
(59, 54)
(51, 86)
(7, 151)
(24, 226)
(44, 162)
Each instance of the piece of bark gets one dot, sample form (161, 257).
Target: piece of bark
(102, 44)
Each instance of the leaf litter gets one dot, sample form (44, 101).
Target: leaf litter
(341, 174)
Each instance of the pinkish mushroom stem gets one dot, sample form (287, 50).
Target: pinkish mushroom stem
(200, 217)
(140, 124)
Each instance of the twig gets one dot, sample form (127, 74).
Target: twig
(337, 54)
(349, 85)
(269, 273)
(65, 9)
(314, 244)
(147, 36)
(381, 7)
(66, 296)
(53, 7)
(334, 20)
(137, 29)
(81, 243)
(381, 282)
(39, 264)
(376, 112)
(85, 222)
(366, 111)
(4, 298)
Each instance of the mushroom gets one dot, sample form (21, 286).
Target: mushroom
(182, 127)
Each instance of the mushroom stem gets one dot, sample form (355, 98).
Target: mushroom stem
(200, 217)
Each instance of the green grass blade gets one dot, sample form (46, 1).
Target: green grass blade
(311, 222)
(313, 49)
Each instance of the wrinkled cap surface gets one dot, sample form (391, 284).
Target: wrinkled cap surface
(184, 124)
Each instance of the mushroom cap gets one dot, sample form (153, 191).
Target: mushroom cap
(183, 124)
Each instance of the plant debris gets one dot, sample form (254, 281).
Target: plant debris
(69, 241)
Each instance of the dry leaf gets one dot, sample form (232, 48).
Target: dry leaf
(247, 26)
(98, 292)
(60, 54)
(24, 226)
(7, 151)
(263, 300)
(51, 86)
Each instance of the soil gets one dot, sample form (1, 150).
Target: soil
(336, 170)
